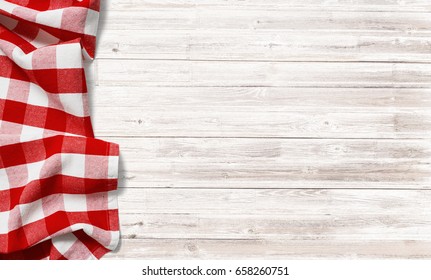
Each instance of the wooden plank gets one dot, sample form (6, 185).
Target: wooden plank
(266, 45)
(258, 74)
(270, 249)
(288, 216)
(292, 196)
(263, 99)
(261, 112)
(335, 227)
(274, 163)
(306, 223)
(268, 202)
(115, 121)
(338, 5)
(308, 18)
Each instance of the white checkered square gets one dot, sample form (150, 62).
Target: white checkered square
(73, 104)
(31, 212)
(73, 165)
(23, 60)
(115, 237)
(50, 18)
(37, 96)
(75, 203)
(91, 22)
(113, 166)
(30, 133)
(4, 87)
(113, 199)
(4, 222)
(4, 181)
(8, 7)
(64, 242)
(34, 170)
(69, 56)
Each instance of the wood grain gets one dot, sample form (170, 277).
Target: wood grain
(309, 18)
(266, 45)
(343, 5)
(264, 99)
(373, 226)
(274, 163)
(296, 214)
(221, 122)
(268, 129)
(306, 223)
(301, 202)
(121, 72)
(270, 249)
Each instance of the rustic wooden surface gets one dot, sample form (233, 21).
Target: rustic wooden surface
(268, 129)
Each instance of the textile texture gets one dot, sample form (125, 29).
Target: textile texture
(57, 182)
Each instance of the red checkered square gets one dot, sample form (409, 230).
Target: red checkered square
(57, 182)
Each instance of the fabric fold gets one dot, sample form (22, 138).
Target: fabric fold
(58, 184)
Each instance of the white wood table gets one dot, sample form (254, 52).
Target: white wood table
(268, 128)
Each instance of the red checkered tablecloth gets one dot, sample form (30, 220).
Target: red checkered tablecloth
(57, 182)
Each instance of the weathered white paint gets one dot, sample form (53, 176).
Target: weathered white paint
(268, 129)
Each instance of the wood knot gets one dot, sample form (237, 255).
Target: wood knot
(191, 247)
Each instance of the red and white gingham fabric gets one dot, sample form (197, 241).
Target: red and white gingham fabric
(57, 182)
